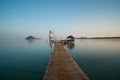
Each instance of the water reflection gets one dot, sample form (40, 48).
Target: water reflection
(70, 45)
(51, 44)
(30, 40)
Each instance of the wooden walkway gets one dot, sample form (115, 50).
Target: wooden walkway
(63, 67)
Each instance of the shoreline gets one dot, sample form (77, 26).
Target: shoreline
(99, 38)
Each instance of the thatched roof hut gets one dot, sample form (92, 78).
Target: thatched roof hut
(70, 37)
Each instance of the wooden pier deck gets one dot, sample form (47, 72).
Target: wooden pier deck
(61, 66)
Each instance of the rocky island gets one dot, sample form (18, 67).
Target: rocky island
(31, 37)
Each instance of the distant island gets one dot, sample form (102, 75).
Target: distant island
(31, 37)
(99, 38)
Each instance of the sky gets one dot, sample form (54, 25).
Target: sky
(80, 18)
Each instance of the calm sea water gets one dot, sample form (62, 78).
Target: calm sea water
(23, 60)
(27, 60)
(98, 58)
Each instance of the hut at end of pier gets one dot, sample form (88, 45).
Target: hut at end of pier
(70, 38)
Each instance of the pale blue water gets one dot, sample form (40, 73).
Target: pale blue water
(98, 58)
(23, 60)
(27, 60)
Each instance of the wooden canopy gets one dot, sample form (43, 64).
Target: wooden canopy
(72, 37)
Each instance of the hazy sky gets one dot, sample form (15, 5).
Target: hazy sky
(77, 17)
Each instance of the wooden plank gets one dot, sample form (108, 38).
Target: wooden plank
(61, 66)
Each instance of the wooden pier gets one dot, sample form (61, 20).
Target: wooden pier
(61, 66)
